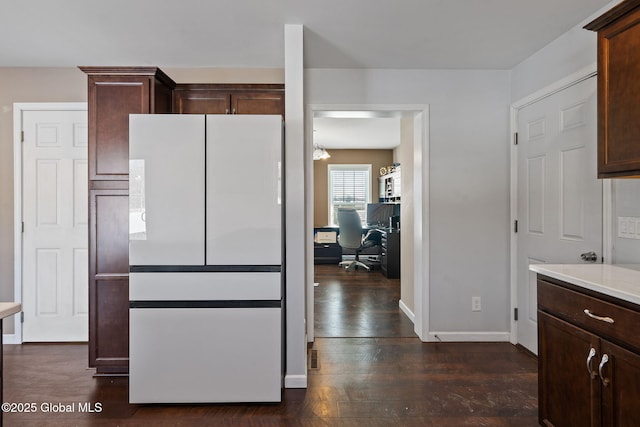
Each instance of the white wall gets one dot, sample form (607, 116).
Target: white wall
(626, 202)
(469, 180)
(571, 52)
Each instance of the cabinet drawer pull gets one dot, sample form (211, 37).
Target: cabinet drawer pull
(604, 361)
(600, 318)
(592, 353)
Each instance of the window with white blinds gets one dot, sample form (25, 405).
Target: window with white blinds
(349, 187)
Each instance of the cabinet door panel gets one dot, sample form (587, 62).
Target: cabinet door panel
(108, 231)
(111, 326)
(568, 395)
(108, 281)
(202, 102)
(257, 103)
(244, 207)
(620, 45)
(621, 396)
(166, 209)
(111, 100)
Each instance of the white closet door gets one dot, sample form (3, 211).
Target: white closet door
(166, 189)
(244, 199)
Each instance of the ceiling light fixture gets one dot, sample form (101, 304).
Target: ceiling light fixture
(319, 153)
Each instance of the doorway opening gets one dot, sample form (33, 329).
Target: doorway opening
(361, 303)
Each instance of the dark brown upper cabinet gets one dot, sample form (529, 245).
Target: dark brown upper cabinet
(618, 90)
(229, 99)
(114, 93)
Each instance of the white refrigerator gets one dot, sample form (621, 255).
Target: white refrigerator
(205, 255)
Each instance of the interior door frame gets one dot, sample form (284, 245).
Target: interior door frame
(420, 316)
(607, 219)
(19, 108)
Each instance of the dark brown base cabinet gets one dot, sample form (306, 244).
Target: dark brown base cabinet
(114, 93)
(589, 369)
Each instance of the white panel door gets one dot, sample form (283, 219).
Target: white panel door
(54, 263)
(166, 189)
(559, 195)
(244, 208)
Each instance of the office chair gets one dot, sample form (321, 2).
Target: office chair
(350, 237)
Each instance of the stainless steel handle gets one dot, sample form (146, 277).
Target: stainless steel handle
(596, 317)
(592, 354)
(603, 361)
(589, 257)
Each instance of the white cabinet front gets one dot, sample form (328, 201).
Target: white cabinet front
(166, 189)
(205, 355)
(244, 181)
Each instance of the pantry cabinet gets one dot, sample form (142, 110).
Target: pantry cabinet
(618, 90)
(113, 94)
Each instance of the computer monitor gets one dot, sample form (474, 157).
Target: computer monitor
(381, 214)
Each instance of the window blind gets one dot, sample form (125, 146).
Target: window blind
(349, 188)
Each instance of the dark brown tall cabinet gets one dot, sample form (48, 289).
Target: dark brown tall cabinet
(114, 93)
(618, 90)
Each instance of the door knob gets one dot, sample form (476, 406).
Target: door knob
(589, 257)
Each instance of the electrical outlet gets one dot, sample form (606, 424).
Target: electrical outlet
(476, 304)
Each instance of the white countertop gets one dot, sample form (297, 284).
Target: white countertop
(9, 308)
(619, 281)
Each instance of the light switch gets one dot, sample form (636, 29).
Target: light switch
(623, 224)
(631, 227)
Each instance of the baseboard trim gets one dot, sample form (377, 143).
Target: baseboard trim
(11, 339)
(470, 336)
(295, 381)
(408, 312)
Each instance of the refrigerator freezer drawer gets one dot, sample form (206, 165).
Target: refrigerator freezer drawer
(205, 355)
(204, 286)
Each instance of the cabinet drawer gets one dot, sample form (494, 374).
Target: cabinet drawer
(616, 323)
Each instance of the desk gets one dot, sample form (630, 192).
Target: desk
(325, 252)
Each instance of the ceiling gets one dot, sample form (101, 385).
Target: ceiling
(356, 133)
(400, 34)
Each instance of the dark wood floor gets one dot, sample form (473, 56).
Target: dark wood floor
(376, 381)
(358, 304)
